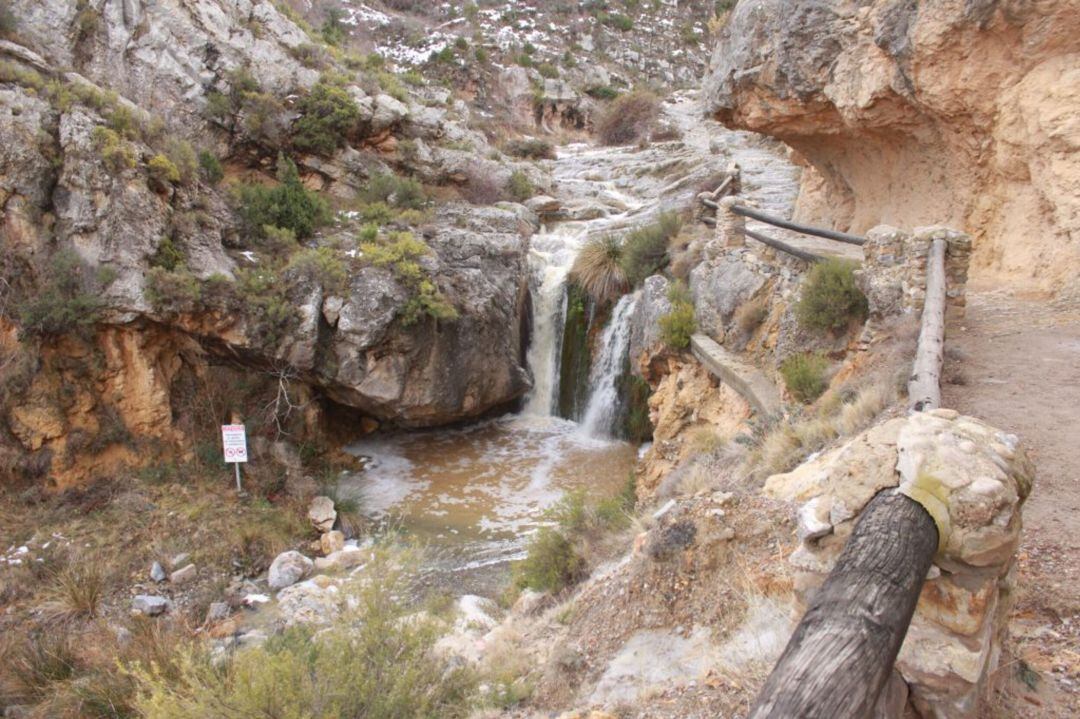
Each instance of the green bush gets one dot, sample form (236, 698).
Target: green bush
(327, 116)
(211, 168)
(830, 300)
(520, 186)
(378, 662)
(532, 149)
(116, 153)
(602, 92)
(645, 249)
(167, 255)
(171, 291)
(628, 118)
(677, 326)
(400, 253)
(620, 22)
(546, 69)
(289, 205)
(162, 171)
(68, 300)
(8, 22)
(551, 563)
(395, 191)
(333, 31)
(598, 269)
(481, 55)
(321, 266)
(266, 305)
(183, 157)
(805, 376)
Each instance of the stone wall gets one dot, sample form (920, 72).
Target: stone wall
(972, 479)
(893, 273)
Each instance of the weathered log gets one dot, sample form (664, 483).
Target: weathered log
(804, 229)
(924, 387)
(842, 653)
(784, 247)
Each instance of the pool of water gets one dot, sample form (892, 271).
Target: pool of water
(473, 496)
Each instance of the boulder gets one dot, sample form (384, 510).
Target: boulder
(322, 514)
(149, 605)
(345, 558)
(387, 113)
(287, 569)
(332, 541)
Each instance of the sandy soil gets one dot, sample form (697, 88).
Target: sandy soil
(1015, 362)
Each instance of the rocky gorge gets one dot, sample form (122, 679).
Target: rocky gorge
(534, 429)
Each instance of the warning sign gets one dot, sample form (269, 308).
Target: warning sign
(234, 441)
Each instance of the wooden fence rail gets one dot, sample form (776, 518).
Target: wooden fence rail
(842, 652)
(804, 229)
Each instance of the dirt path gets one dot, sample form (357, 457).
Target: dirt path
(1016, 364)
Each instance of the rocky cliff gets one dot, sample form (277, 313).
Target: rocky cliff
(959, 112)
(134, 138)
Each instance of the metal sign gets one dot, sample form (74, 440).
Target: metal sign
(234, 442)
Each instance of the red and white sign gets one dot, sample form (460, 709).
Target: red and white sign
(234, 441)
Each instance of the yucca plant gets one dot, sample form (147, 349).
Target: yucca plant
(598, 269)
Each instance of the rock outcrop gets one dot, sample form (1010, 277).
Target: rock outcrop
(909, 114)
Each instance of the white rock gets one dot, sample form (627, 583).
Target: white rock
(149, 605)
(287, 569)
(322, 514)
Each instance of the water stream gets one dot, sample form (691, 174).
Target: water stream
(473, 495)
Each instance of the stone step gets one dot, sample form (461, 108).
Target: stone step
(747, 380)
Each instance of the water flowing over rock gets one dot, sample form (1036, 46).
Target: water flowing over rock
(913, 114)
(604, 402)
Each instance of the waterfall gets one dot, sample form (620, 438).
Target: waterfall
(550, 260)
(603, 406)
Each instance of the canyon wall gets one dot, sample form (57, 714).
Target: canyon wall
(958, 112)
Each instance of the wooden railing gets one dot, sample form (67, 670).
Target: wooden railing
(842, 653)
(710, 200)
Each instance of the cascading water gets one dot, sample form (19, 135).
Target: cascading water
(603, 406)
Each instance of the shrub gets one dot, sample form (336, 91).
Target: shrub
(116, 153)
(532, 149)
(182, 155)
(602, 92)
(267, 307)
(162, 171)
(170, 291)
(546, 69)
(333, 30)
(481, 55)
(524, 59)
(551, 564)
(320, 266)
(378, 662)
(68, 300)
(751, 314)
(167, 255)
(400, 253)
(628, 118)
(210, 166)
(77, 592)
(327, 115)
(677, 326)
(644, 251)
(520, 186)
(620, 22)
(289, 205)
(395, 191)
(804, 376)
(598, 269)
(830, 301)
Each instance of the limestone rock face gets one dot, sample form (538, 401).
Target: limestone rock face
(956, 113)
(645, 339)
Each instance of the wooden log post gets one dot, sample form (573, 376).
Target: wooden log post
(924, 387)
(842, 653)
(797, 227)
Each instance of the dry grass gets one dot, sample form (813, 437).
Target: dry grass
(628, 118)
(598, 269)
(77, 593)
(751, 314)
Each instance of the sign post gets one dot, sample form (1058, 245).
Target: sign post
(234, 443)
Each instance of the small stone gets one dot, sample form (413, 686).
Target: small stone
(183, 575)
(332, 541)
(180, 560)
(149, 604)
(287, 569)
(321, 513)
(157, 572)
(943, 413)
(217, 612)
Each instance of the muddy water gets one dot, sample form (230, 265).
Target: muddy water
(472, 496)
